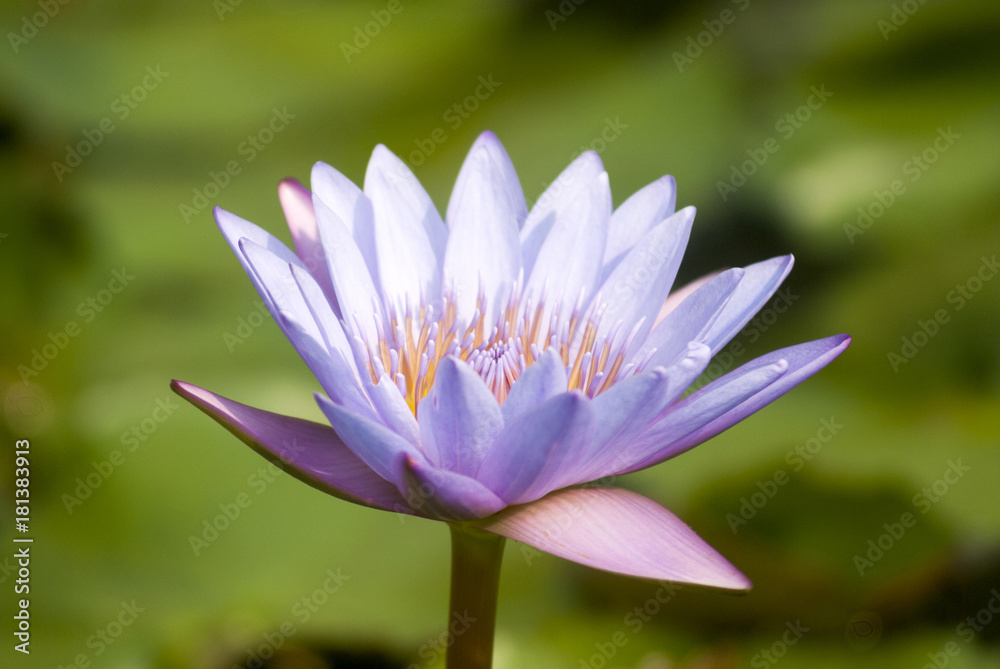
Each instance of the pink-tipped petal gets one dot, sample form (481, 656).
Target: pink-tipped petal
(311, 452)
(296, 202)
(618, 531)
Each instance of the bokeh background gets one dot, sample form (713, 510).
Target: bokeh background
(872, 131)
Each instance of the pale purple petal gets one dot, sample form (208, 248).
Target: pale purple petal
(756, 287)
(459, 418)
(569, 262)
(541, 381)
(640, 283)
(629, 407)
(410, 236)
(556, 199)
(635, 217)
(274, 279)
(447, 495)
(296, 202)
(311, 452)
(483, 250)
(530, 455)
(352, 207)
(378, 446)
(728, 400)
(692, 320)
(354, 285)
(234, 229)
(675, 297)
(619, 531)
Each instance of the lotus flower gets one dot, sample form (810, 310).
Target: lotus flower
(483, 369)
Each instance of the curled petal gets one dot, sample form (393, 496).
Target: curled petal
(447, 495)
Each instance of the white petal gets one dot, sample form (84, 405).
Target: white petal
(483, 243)
(569, 262)
(410, 236)
(353, 284)
(636, 217)
(641, 282)
(352, 207)
(692, 320)
(556, 198)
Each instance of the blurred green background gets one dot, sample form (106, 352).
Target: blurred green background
(864, 137)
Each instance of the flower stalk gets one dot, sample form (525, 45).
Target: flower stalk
(475, 579)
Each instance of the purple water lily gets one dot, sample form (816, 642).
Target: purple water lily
(480, 369)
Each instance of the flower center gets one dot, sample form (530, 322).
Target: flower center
(410, 347)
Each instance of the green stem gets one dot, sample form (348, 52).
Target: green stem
(475, 578)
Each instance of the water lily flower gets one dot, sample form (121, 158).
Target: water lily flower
(483, 369)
